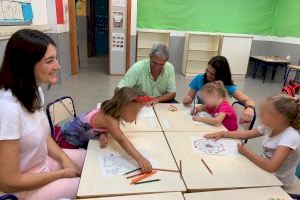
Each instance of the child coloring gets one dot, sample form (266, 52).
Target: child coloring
(124, 106)
(280, 117)
(214, 95)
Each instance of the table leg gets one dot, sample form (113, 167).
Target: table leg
(256, 63)
(274, 71)
(265, 68)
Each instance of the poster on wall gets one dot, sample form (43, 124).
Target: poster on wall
(118, 19)
(81, 8)
(117, 42)
(118, 3)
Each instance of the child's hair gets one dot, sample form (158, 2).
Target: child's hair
(215, 86)
(287, 106)
(123, 97)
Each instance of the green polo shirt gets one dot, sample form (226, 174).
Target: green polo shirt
(139, 76)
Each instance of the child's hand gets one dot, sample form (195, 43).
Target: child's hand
(197, 109)
(152, 103)
(103, 140)
(242, 149)
(198, 119)
(145, 165)
(215, 136)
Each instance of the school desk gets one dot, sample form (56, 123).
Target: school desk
(146, 121)
(265, 193)
(267, 61)
(228, 171)
(178, 120)
(156, 196)
(94, 183)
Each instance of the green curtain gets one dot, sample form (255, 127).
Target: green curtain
(261, 17)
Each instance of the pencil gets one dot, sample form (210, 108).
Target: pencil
(165, 170)
(132, 171)
(134, 175)
(142, 177)
(154, 180)
(194, 109)
(206, 166)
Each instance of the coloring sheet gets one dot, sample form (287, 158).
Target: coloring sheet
(146, 112)
(221, 147)
(188, 114)
(116, 164)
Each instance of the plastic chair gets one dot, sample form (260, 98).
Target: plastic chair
(60, 110)
(239, 109)
(292, 68)
(8, 197)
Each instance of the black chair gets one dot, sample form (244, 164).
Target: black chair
(239, 109)
(8, 197)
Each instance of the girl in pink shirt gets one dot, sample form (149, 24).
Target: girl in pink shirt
(214, 95)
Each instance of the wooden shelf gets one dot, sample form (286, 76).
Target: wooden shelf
(145, 40)
(198, 50)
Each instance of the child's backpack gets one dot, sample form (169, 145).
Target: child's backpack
(292, 88)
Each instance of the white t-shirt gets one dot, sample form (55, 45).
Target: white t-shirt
(290, 138)
(31, 129)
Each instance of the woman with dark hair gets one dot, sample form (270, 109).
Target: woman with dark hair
(218, 70)
(32, 165)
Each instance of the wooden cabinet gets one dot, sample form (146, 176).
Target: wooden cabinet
(145, 40)
(198, 50)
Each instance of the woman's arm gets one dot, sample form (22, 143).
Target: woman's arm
(118, 135)
(242, 135)
(12, 180)
(188, 99)
(270, 165)
(249, 103)
(58, 154)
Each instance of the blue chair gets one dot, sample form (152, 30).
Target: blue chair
(8, 197)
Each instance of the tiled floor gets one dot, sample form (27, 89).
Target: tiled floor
(93, 85)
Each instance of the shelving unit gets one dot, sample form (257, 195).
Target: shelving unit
(198, 50)
(145, 40)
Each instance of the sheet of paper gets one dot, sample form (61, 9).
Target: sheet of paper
(151, 122)
(1, 12)
(118, 3)
(188, 114)
(221, 147)
(17, 10)
(7, 10)
(116, 164)
(165, 123)
(146, 112)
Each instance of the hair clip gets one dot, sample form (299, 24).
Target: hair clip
(143, 99)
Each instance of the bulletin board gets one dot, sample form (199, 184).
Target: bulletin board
(263, 17)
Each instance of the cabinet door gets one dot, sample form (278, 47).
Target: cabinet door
(237, 51)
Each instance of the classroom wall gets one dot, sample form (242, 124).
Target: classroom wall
(82, 36)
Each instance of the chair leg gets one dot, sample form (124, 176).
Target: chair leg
(286, 76)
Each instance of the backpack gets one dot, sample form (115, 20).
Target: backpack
(292, 88)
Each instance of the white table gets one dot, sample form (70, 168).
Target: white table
(178, 120)
(94, 183)
(266, 193)
(228, 172)
(161, 196)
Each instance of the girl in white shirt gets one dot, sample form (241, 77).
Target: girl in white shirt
(280, 116)
(32, 164)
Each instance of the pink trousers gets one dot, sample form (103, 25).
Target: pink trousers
(61, 188)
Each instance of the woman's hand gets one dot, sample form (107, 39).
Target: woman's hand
(187, 100)
(70, 173)
(215, 136)
(68, 163)
(103, 140)
(145, 165)
(247, 115)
